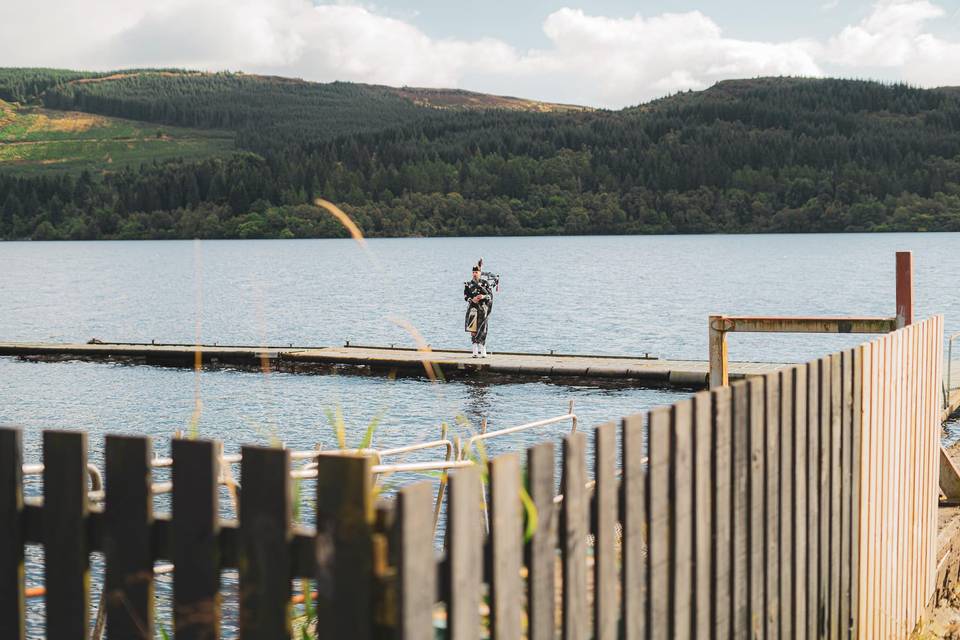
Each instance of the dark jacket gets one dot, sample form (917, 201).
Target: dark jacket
(472, 288)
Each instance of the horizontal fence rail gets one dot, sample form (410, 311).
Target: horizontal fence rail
(801, 503)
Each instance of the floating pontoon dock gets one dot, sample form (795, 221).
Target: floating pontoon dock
(636, 370)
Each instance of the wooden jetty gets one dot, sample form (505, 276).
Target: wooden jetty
(636, 370)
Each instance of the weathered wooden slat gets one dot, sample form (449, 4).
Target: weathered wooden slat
(787, 604)
(836, 474)
(345, 546)
(856, 496)
(884, 474)
(772, 472)
(800, 516)
(464, 555)
(756, 534)
(846, 486)
(506, 544)
(813, 499)
(605, 532)
(12, 622)
(918, 443)
(67, 564)
(635, 601)
(740, 517)
(194, 531)
(659, 548)
(702, 508)
(541, 548)
(681, 519)
(128, 517)
(870, 607)
(416, 567)
(824, 435)
(264, 536)
(573, 534)
(721, 514)
(929, 515)
(895, 469)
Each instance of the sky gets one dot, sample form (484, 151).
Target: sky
(603, 53)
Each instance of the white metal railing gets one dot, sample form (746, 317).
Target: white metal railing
(948, 383)
(456, 456)
(487, 435)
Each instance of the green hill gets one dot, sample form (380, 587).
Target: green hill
(35, 140)
(759, 155)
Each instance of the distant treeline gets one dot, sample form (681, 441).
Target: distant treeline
(768, 155)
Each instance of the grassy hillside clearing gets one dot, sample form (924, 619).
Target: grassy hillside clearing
(34, 139)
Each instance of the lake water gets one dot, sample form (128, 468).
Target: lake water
(604, 295)
(610, 295)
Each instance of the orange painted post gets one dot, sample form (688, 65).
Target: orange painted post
(719, 372)
(904, 288)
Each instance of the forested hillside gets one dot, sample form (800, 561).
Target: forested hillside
(759, 155)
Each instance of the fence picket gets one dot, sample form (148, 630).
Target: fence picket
(846, 482)
(264, 537)
(605, 533)
(541, 549)
(634, 578)
(681, 518)
(722, 472)
(12, 621)
(196, 551)
(67, 563)
(800, 522)
(506, 546)
(813, 499)
(756, 534)
(772, 474)
(823, 527)
(836, 472)
(741, 510)
(857, 453)
(573, 538)
(786, 604)
(659, 548)
(416, 568)
(344, 546)
(464, 555)
(702, 510)
(128, 517)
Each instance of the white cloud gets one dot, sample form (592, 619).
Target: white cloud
(628, 59)
(590, 59)
(895, 37)
(888, 37)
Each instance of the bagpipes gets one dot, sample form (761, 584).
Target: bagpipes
(491, 279)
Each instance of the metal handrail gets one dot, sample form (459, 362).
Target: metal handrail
(486, 435)
(96, 478)
(377, 469)
(455, 457)
(949, 383)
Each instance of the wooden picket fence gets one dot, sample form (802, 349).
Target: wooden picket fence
(798, 504)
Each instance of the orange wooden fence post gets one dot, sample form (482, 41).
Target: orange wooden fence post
(904, 288)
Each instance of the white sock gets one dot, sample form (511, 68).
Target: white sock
(483, 351)
(476, 349)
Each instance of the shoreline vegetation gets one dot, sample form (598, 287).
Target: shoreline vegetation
(767, 155)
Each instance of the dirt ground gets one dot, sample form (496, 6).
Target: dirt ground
(944, 620)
